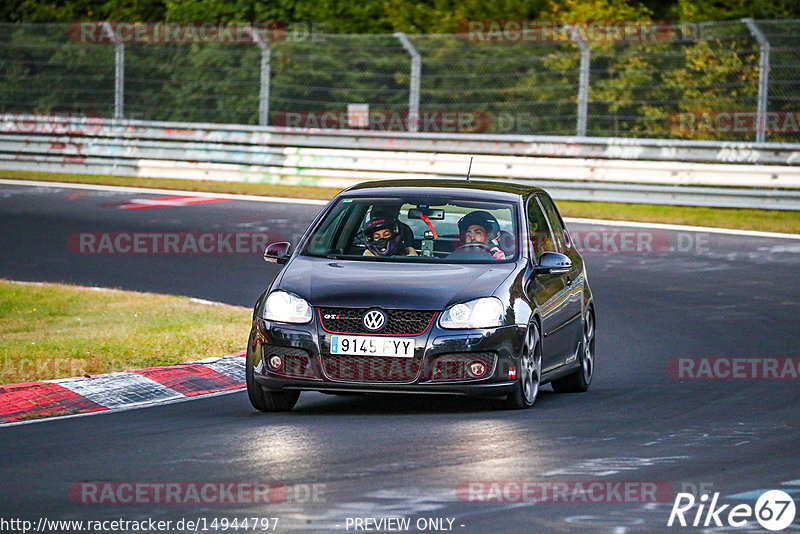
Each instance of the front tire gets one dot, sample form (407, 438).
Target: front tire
(530, 374)
(579, 381)
(263, 399)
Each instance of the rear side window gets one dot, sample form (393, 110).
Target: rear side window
(540, 236)
(554, 219)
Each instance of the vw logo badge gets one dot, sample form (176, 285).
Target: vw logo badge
(374, 320)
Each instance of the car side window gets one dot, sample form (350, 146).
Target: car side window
(540, 236)
(330, 229)
(556, 225)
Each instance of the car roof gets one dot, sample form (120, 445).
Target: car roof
(454, 188)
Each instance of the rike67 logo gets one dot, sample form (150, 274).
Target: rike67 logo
(774, 510)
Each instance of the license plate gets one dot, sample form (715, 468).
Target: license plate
(372, 346)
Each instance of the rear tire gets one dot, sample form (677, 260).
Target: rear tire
(265, 400)
(579, 381)
(530, 374)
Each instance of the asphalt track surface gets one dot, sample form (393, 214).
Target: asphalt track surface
(405, 456)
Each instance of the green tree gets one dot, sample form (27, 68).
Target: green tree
(448, 16)
(81, 10)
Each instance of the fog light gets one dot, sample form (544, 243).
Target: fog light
(275, 362)
(477, 369)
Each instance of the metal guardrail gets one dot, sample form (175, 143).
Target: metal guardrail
(523, 145)
(765, 175)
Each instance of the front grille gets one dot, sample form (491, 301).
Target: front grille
(296, 361)
(454, 366)
(399, 322)
(371, 368)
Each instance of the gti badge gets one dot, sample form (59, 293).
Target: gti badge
(374, 320)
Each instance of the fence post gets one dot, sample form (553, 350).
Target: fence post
(763, 78)
(413, 90)
(119, 73)
(263, 92)
(583, 81)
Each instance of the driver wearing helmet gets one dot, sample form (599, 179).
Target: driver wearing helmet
(384, 237)
(480, 232)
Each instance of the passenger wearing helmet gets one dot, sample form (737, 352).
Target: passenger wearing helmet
(480, 232)
(384, 237)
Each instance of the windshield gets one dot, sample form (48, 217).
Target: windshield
(428, 229)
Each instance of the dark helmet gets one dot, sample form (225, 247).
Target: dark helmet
(385, 246)
(484, 219)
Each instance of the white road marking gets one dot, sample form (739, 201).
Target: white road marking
(681, 227)
(206, 302)
(256, 198)
(145, 190)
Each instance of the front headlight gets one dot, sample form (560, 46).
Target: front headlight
(286, 308)
(486, 312)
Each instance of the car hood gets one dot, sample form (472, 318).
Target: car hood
(362, 284)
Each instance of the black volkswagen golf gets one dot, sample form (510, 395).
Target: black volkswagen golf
(451, 287)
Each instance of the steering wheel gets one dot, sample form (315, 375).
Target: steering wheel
(474, 247)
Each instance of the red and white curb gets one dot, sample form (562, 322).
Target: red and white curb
(115, 391)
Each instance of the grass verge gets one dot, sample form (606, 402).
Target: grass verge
(737, 218)
(57, 331)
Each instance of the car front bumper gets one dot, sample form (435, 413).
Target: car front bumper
(440, 362)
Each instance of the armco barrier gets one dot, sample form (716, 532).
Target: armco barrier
(765, 175)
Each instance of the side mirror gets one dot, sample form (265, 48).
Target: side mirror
(277, 252)
(553, 263)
